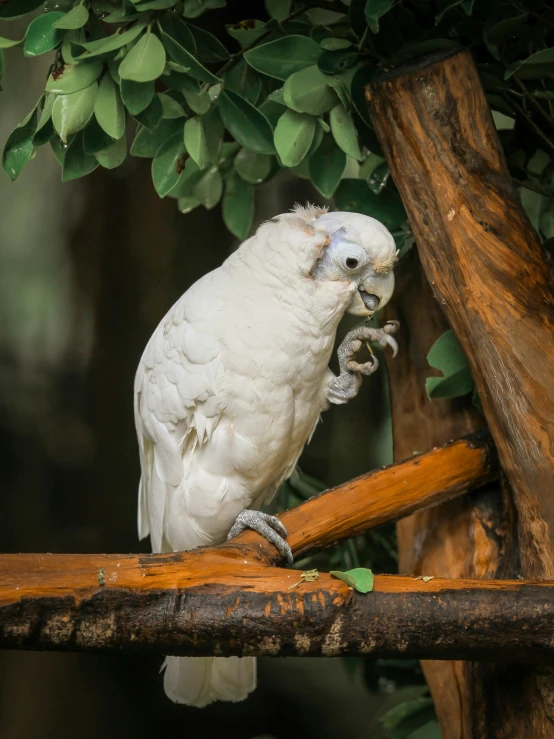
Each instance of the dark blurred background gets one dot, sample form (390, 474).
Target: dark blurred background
(87, 270)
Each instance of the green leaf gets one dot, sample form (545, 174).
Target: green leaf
(151, 115)
(108, 108)
(209, 50)
(168, 163)
(136, 96)
(41, 35)
(146, 60)
(77, 163)
(247, 125)
(247, 32)
(76, 18)
(430, 730)
(214, 131)
(307, 91)
(183, 57)
(72, 112)
(354, 196)
(112, 43)
(209, 188)
(272, 111)
(360, 578)
(15, 8)
(238, 206)
(171, 108)
(198, 102)
(71, 78)
(45, 128)
(278, 9)
(245, 81)
(194, 8)
(344, 131)
(538, 64)
(253, 168)
(335, 62)
(376, 9)
(95, 139)
(331, 43)
(293, 137)
(2, 64)
(146, 143)
(6, 43)
(447, 356)
(284, 56)
(324, 17)
(178, 30)
(327, 166)
(397, 715)
(114, 155)
(19, 147)
(195, 141)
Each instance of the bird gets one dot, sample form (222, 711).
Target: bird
(231, 386)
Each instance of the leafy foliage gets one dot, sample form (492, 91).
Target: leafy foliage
(288, 87)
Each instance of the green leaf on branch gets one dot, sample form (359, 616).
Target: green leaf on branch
(136, 96)
(252, 168)
(41, 35)
(112, 43)
(95, 139)
(19, 147)
(178, 30)
(327, 166)
(447, 356)
(108, 108)
(185, 59)
(355, 196)
(168, 164)
(77, 163)
(146, 60)
(71, 78)
(247, 32)
(278, 9)
(246, 124)
(307, 91)
(238, 206)
(151, 115)
(360, 579)
(195, 141)
(293, 137)
(71, 113)
(284, 56)
(146, 143)
(375, 10)
(6, 43)
(194, 8)
(76, 18)
(114, 155)
(209, 50)
(535, 66)
(209, 188)
(244, 80)
(344, 131)
(171, 108)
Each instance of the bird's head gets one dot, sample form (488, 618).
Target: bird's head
(358, 250)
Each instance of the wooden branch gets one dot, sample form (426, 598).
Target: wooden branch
(158, 602)
(173, 604)
(486, 266)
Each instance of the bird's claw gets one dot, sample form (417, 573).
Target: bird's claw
(353, 343)
(267, 526)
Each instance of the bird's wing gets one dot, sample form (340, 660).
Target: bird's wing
(176, 407)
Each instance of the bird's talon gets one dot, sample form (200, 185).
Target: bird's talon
(270, 527)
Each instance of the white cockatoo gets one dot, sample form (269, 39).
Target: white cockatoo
(231, 386)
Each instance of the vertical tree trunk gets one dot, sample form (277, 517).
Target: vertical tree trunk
(490, 273)
(466, 537)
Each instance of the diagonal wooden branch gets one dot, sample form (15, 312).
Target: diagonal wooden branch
(230, 600)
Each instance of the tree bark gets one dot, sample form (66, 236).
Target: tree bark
(490, 274)
(468, 537)
(207, 603)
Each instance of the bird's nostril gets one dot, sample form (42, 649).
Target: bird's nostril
(371, 302)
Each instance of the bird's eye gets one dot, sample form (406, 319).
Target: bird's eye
(351, 262)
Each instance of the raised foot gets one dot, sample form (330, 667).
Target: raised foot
(267, 526)
(353, 341)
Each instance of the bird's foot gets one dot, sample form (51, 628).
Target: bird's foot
(267, 526)
(346, 385)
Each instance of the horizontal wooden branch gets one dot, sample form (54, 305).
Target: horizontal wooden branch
(229, 599)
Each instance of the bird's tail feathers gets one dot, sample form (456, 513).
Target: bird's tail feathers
(198, 681)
